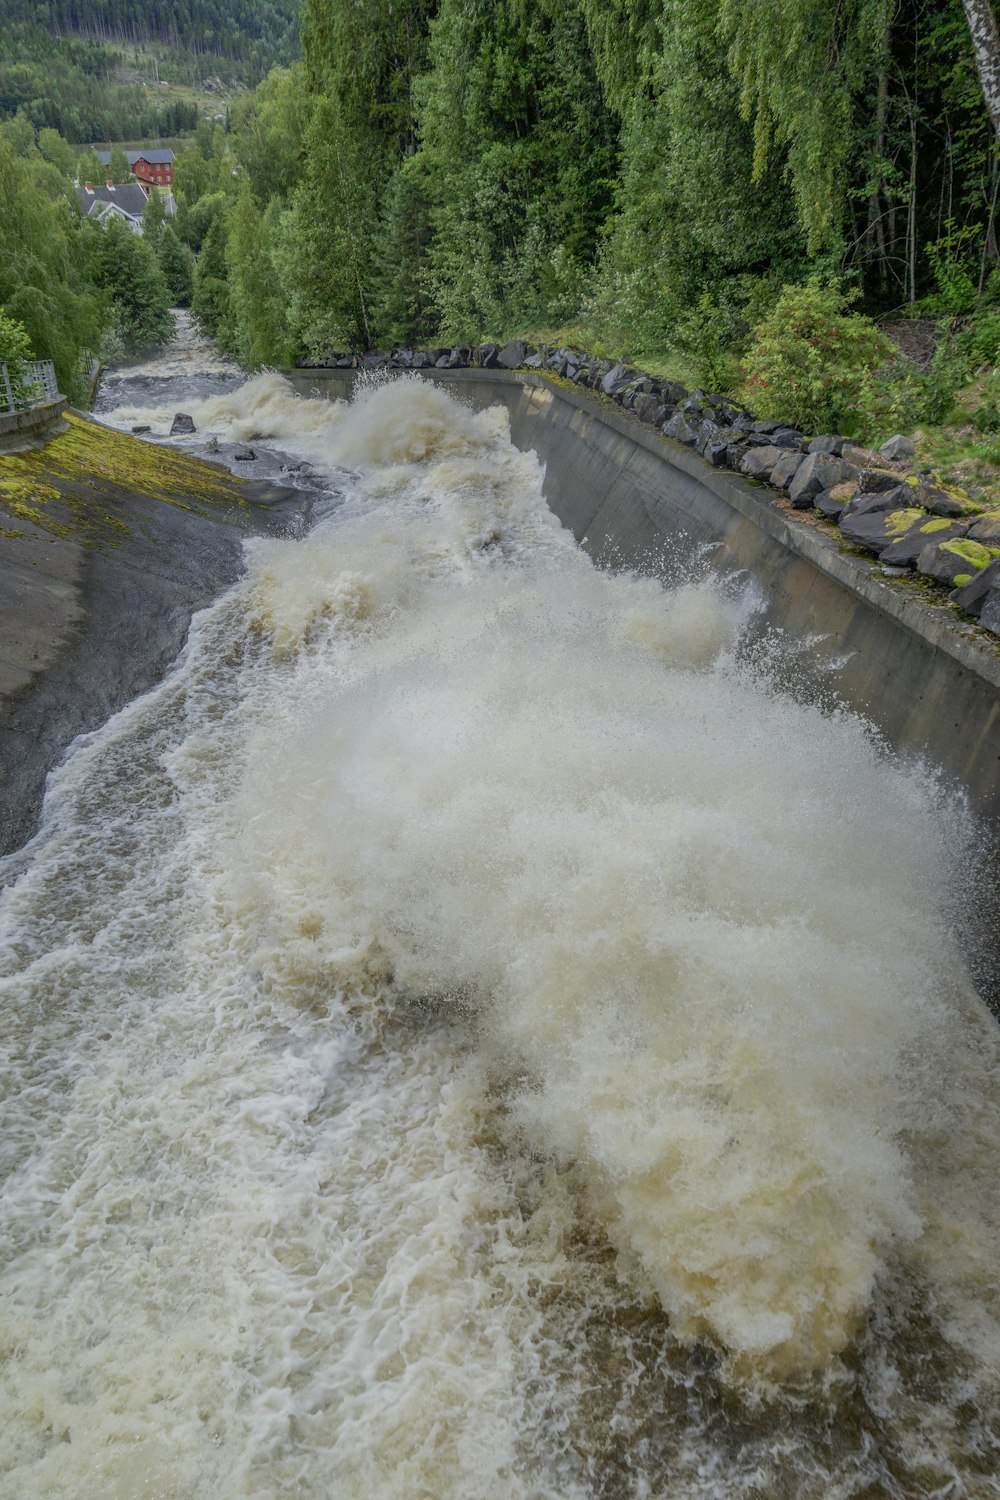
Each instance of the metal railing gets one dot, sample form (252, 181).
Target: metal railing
(37, 384)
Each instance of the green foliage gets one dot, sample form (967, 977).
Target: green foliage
(257, 310)
(210, 297)
(15, 352)
(46, 268)
(128, 272)
(118, 170)
(953, 266)
(177, 264)
(517, 163)
(817, 365)
(89, 68)
(154, 216)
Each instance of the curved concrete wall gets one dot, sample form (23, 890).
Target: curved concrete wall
(926, 677)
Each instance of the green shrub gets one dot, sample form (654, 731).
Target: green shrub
(814, 364)
(15, 352)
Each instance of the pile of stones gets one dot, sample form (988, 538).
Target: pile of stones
(910, 522)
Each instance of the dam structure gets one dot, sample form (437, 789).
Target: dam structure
(484, 1024)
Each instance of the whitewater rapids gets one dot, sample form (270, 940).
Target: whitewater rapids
(469, 1034)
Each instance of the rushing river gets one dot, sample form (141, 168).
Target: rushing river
(469, 1034)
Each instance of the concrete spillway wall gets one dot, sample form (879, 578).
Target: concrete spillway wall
(905, 659)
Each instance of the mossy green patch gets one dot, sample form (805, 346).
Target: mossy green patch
(939, 524)
(972, 553)
(898, 522)
(76, 483)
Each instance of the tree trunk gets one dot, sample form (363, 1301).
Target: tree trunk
(986, 45)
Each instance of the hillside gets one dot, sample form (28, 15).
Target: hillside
(98, 70)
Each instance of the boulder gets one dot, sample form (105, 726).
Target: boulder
(830, 504)
(876, 530)
(142, 427)
(717, 453)
(826, 443)
(938, 502)
(955, 562)
(989, 615)
(898, 447)
(645, 406)
(863, 503)
(243, 454)
(872, 481)
(973, 595)
(680, 430)
(513, 354)
(613, 379)
(488, 356)
(906, 549)
(786, 469)
(709, 432)
(765, 428)
(673, 392)
(758, 463)
(985, 529)
(788, 437)
(816, 473)
(182, 423)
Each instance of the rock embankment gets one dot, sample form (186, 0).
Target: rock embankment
(910, 521)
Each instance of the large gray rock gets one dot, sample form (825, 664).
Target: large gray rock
(874, 531)
(871, 481)
(613, 379)
(818, 472)
(937, 502)
(513, 355)
(985, 530)
(243, 454)
(786, 469)
(989, 615)
(865, 504)
(973, 596)
(680, 429)
(906, 549)
(827, 442)
(758, 463)
(182, 424)
(898, 447)
(955, 562)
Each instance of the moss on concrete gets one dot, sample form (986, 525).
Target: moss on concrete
(74, 484)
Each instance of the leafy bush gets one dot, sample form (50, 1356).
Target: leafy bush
(15, 352)
(814, 364)
(952, 262)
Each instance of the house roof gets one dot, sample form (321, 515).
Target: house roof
(156, 157)
(130, 198)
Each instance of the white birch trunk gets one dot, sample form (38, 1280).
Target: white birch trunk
(986, 45)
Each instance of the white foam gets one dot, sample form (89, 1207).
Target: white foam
(459, 996)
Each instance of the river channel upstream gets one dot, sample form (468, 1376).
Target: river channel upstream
(476, 1032)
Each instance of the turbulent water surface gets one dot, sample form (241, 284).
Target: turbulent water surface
(468, 1034)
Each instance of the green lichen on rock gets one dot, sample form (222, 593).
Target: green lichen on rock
(973, 553)
(898, 522)
(938, 524)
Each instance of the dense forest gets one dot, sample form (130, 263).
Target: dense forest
(99, 69)
(652, 172)
(676, 181)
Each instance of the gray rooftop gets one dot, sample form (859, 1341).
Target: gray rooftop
(130, 198)
(156, 157)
